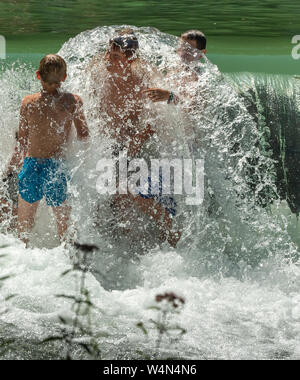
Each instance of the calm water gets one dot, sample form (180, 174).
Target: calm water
(268, 18)
(250, 36)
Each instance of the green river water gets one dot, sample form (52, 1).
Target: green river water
(251, 35)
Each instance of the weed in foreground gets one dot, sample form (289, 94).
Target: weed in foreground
(167, 304)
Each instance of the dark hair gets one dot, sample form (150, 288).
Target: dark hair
(196, 35)
(52, 68)
(125, 42)
(125, 39)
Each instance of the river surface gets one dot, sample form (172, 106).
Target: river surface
(252, 36)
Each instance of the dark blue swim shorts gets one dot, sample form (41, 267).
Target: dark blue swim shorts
(166, 201)
(42, 177)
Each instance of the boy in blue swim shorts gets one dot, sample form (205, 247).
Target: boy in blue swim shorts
(43, 178)
(46, 121)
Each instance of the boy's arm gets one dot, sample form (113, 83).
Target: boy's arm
(80, 121)
(160, 95)
(22, 142)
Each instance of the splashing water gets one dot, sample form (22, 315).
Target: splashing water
(236, 263)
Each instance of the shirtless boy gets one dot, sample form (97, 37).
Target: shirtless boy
(46, 120)
(191, 48)
(122, 101)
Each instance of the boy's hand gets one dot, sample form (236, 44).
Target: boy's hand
(157, 94)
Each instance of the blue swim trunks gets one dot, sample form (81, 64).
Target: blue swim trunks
(43, 177)
(166, 201)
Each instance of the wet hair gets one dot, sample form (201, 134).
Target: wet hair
(197, 36)
(52, 68)
(125, 39)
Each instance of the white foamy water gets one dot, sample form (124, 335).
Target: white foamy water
(225, 318)
(235, 266)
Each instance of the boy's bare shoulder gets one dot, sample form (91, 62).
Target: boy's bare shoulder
(30, 99)
(71, 102)
(71, 98)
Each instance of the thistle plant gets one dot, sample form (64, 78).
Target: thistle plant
(166, 305)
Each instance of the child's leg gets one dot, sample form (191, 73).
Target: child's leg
(26, 215)
(62, 214)
(160, 216)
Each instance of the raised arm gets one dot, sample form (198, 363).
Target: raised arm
(79, 120)
(184, 80)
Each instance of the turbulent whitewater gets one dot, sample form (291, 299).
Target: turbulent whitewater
(236, 265)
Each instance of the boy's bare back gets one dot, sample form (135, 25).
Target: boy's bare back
(46, 121)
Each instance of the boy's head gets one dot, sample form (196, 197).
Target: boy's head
(52, 70)
(192, 45)
(123, 48)
(195, 38)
